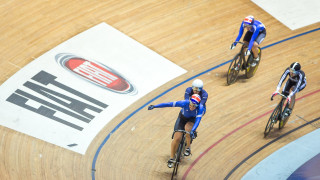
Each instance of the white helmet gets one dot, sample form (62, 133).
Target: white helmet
(197, 84)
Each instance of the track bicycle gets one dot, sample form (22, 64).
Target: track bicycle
(280, 113)
(180, 151)
(239, 63)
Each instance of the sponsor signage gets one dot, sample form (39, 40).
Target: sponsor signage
(67, 95)
(96, 73)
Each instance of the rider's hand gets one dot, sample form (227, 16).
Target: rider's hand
(247, 53)
(275, 93)
(232, 46)
(193, 134)
(150, 107)
(289, 99)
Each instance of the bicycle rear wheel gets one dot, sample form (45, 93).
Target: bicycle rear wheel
(234, 69)
(272, 120)
(286, 118)
(250, 72)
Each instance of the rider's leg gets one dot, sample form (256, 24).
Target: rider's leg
(256, 43)
(175, 143)
(286, 88)
(255, 50)
(188, 128)
(247, 38)
(286, 91)
(293, 98)
(180, 124)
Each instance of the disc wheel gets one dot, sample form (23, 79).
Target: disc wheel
(251, 71)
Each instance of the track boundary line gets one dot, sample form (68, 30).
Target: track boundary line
(266, 145)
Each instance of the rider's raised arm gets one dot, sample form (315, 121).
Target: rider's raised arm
(283, 77)
(240, 33)
(171, 104)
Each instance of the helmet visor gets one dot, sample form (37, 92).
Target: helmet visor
(247, 25)
(196, 89)
(293, 71)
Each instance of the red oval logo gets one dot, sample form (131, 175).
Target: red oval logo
(96, 73)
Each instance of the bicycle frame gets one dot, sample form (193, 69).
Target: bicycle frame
(281, 104)
(242, 56)
(243, 48)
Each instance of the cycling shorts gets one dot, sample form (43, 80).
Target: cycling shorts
(182, 121)
(259, 38)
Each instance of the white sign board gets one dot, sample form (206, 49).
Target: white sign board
(292, 13)
(67, 95)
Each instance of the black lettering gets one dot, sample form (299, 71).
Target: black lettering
(70, 106)
(74, 104)
(46, 78)
(42, 110)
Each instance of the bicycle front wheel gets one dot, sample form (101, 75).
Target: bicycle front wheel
(177, 161)
(272, 120)
(234, 69)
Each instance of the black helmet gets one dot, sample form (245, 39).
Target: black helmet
(295, 66)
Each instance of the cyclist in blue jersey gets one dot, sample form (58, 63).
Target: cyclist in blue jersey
(256, 32)
(197, 88)
(188, 120)
(297, 82)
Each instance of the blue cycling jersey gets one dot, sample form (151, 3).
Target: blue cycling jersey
(256, 28)
(185, 110)
(203, 94)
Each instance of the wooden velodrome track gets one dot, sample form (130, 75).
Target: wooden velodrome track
(194, 35)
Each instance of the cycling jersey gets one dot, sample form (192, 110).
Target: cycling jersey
(257, 27)
(299, 81)
(203, 94)
(185, 110)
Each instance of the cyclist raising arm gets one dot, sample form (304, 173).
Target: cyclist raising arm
(188, 120)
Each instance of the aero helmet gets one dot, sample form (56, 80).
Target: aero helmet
(295, 67)
(195, 99)
(249, 20)
(197, 85)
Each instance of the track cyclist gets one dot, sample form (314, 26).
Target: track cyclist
(297, 82)
(188, 120)
(256, 32)
(197, 88)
